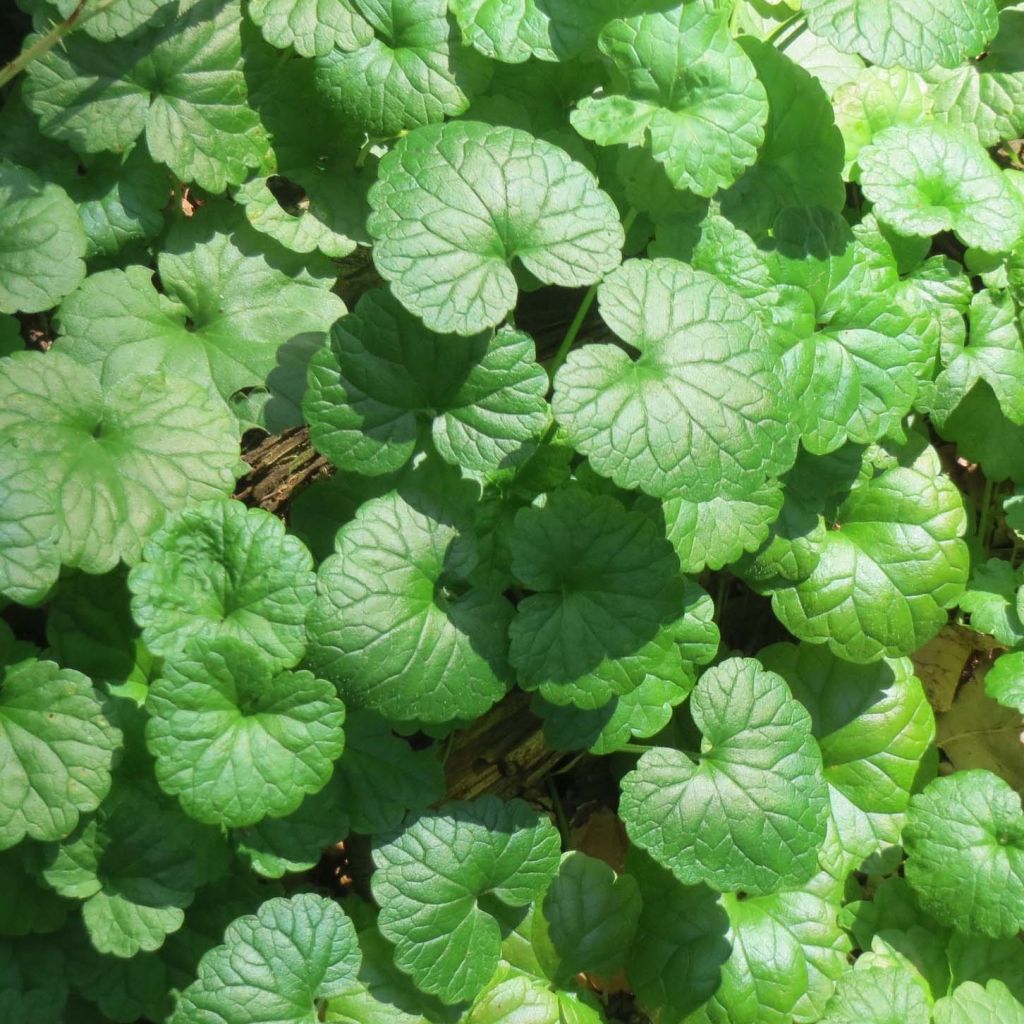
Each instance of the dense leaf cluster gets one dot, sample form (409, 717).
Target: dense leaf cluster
(803, 228)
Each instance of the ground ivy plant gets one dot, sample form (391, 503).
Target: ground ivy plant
(661, 364)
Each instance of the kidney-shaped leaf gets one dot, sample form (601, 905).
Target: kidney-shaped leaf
(965, 853)
(432, 877)
(56, 749)
(750, 813)
(702, 407)
(236, 741)
(116, 457)
(457, 203)
(278, 964)
(971, 1004)
(219, 569)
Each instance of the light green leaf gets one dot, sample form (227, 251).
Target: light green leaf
(592, 916)
(116, 457)
(875, 730)
(984, 97)
(123, 17)
(1004, 681)
(765, 960)
(311, 27)
(430, 880)
(689, 89)
(385, 376)
(236, 741)
(277, 964)
(972, 1004)
(916, 34)
(965, 853)
(411, 72)
(512, 997)
(750, 813)
(994, 354)
(457, 203)
(397, 625)
(219, 569)
(890, 564)
(550, 30)
(927, 178)
(604, 583)
(713, 533)
(230, 299)
(136, 864)
(801, 160)
(56, 748)
(29, 529)
(43, 253)
(983, 434)
(878, 995)
(315, 197)
(876, 99)
(181, 83)
(703, 408)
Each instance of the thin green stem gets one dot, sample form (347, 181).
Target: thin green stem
(636, 748)
(563, 821)
(785, 27)
(792, 38)
(49, 40)
(721, 597)
(449, 743)
(734, 17)
(985, 514)
(581, 313)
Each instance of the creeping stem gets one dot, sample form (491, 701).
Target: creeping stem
(47, 41)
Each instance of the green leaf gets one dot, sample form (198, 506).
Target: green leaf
(995, 354)
(311, 193)
(689, 89)
(972, 1004)
(985, 435)
(136, 864)
(550, 30)
(277, 964)
(713, 533)
(965, 853)
(928, 178)
(592, 916)
(33, 986)
(230, 299)
(801, 160)
(604, 583)
(431, 877)
(916, 34)
(890, 564)
(219, 569)
(765, 960)
(236, 741)
(876, 99)
(457, 203)
(56, 746)
(397, 625)
(43, 255)
(515, 998)
(1004, 681)
(29, 530)
(411, 72)
(875, 730)
(702, 409)
(123, 17)
(706, 819)
(28, 905)
(117, 457)
(385, 376)
(181, 83)
(878, 995)
(990, 600)
(311, 27)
